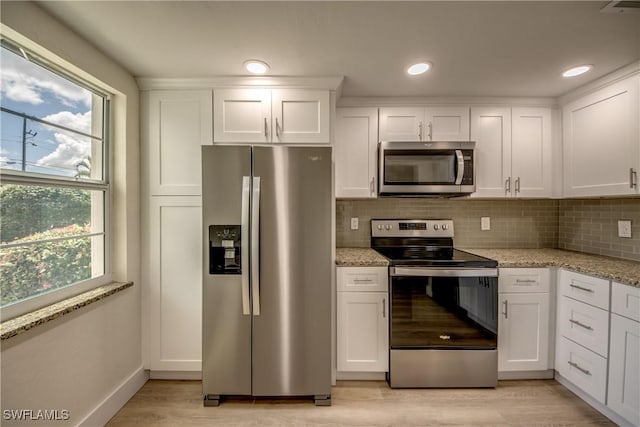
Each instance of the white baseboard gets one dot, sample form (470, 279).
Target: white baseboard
(175, 375)
(102, 413)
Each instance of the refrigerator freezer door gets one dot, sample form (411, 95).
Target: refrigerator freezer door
(292, 334)
(226, 331)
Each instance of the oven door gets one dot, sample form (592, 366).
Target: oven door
(413, 168)
(435, 308)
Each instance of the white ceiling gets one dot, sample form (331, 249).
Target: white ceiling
(477, 48)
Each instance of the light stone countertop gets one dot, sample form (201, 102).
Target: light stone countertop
(618, 270)
(359, 257)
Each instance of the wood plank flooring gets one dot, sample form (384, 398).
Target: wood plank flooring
(366, 403)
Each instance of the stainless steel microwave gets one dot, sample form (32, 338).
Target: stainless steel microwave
(439, 168)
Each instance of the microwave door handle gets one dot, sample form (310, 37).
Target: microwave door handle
(460, 159)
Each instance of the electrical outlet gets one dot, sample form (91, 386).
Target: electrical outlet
(624, 228)
(485, 223)
(354, 223)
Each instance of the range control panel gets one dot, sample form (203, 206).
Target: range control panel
(412, 228)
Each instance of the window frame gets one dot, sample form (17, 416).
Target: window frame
(8, 176)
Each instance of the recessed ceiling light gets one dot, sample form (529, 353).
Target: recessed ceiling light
(576, 71)
(419, 68)
(256, 66)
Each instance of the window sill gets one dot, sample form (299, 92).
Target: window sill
(20, 324)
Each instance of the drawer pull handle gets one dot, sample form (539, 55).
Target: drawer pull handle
(582, 288)
(579, 368)
(363, 280)
(525, 281)
(582, 325)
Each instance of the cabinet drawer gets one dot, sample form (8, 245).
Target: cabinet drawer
(514, 280)
(584, 324)
(591, 290)
(583, 368)
(625, 301)
(363, 279)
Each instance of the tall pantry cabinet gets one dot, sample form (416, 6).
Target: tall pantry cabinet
(175, 124)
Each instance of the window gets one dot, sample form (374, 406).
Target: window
(54, 190)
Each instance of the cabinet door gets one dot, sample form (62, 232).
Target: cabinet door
(242, 115)
(602, 141)
(531, 152)
(402, 124)
(523, 332)
(363, 340)
(624, 369)
(175, 283)
(446, 124)
(300, 116)
(356, 139)
(491, 130)
(175, 125)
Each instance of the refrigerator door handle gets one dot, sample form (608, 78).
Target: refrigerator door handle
(255, 246)
(244, 242)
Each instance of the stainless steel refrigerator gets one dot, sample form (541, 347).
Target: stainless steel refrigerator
(267, 272)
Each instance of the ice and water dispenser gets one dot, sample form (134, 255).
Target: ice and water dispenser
(224, 249)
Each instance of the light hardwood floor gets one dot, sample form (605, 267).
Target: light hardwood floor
(366, 403)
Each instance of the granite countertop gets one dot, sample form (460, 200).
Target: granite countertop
(359, 257)
(618, 270)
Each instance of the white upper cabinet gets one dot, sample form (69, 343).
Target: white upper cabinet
(531, 152)
(242, 115)
(424, 124)
(491, 130)
(513, 151)
(355, 147)
(602, 141)
(265, 115)
(175, 124)
(300, 116)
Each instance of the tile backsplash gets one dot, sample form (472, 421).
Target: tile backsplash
(585, 225)
(591, 225)
(514, 223)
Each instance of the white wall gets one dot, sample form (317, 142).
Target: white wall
(77, 361)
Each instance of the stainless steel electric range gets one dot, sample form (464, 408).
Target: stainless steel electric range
(444, 307)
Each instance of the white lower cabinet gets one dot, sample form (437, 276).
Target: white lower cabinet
(583, 332)
(523, 322)
(624, 358)
(362, 326)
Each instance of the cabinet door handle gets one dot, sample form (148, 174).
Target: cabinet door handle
(582, 325)
(517, 185)
(277, 128)
(505, 312)
(579, 368)
(384, 307)
(507, 185)
(371, 185)
(430, 131)
(266, 128)
(633, 178)
(420, 131)
(582, 288)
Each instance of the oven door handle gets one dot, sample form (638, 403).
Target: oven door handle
(443, 272)
(460, 161)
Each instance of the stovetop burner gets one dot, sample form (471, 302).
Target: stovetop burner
(422, 243)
